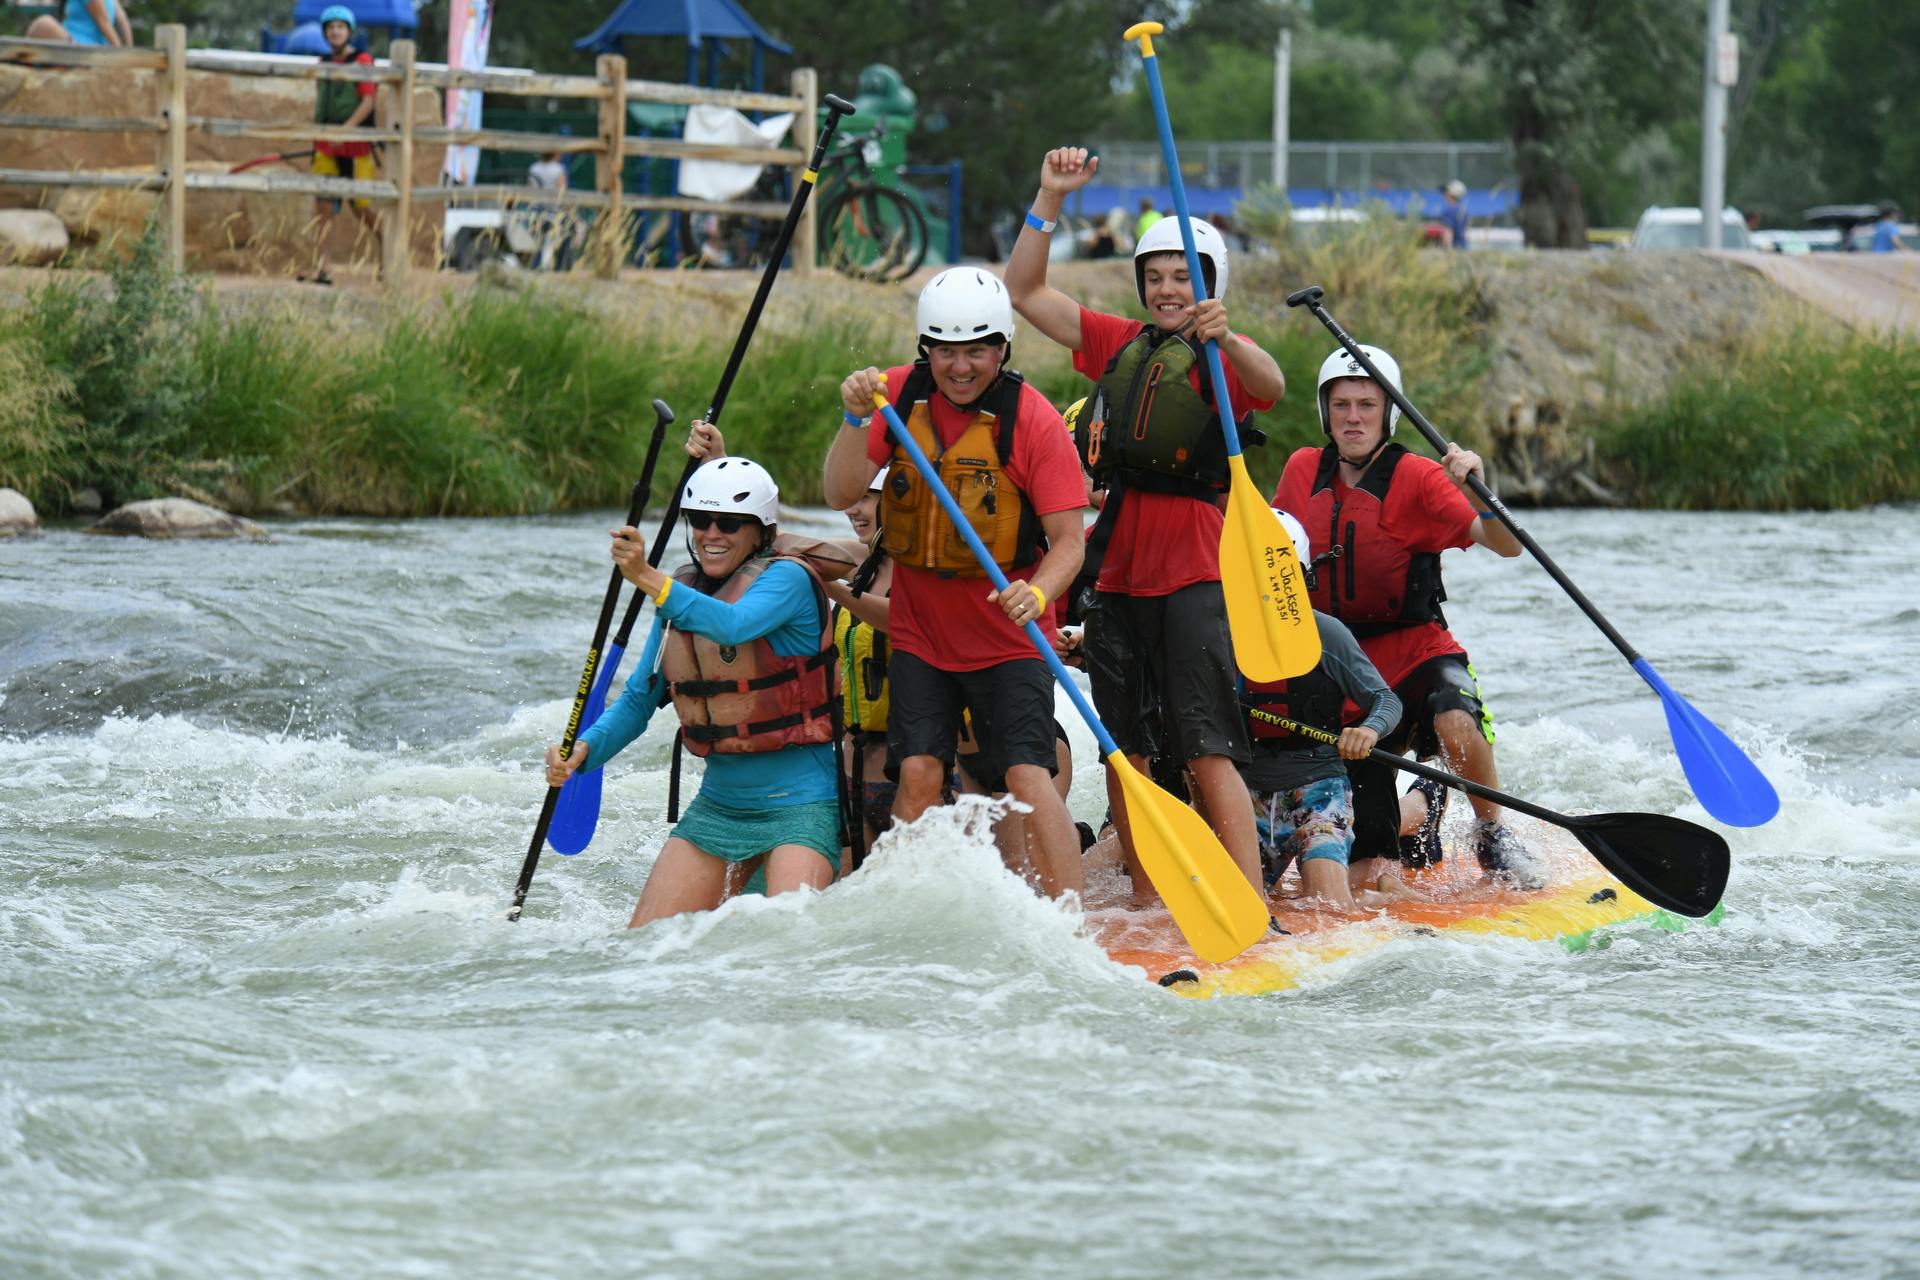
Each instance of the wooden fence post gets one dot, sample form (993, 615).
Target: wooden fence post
(171, 39)
(610, 240)
(396, 242)
(806, 129)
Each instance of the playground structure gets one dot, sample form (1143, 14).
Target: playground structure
(120, 75)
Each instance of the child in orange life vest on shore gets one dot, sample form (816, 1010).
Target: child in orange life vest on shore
(768, 806)
(1158, 649)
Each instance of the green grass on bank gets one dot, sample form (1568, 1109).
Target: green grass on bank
(521, 401)
(1798, 418)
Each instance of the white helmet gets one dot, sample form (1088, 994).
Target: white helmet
(879, 480)
(1341, 364)
(1164, 237)
(1302, 546)
(733, 486)
(962, 305)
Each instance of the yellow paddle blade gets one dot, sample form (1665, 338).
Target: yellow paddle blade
(1211, 902)
(1274, 634)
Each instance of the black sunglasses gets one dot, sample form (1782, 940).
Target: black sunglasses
(704, 520)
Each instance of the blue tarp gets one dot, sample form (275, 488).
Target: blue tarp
(397, 14)
(1202, 201)
(305, 38)
(693, 20)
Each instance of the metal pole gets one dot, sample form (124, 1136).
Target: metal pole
(1713, 128)
(1282, 75)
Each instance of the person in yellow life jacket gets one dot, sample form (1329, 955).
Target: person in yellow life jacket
(860, 640)
(1159, 652)
(349, 104)
(956, 644)
(747, 663)
(1302, 800)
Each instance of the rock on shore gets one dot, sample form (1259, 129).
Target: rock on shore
(17, 516)
(176, 518)
(31, 238)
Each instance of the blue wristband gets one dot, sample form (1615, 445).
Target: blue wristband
(1040, 224)
(850, 420)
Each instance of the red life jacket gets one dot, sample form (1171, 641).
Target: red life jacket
(1360, 575)
(1312, 699)
(747, 698)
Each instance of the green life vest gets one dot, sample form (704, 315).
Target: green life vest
(1149, 425)
(336, 100)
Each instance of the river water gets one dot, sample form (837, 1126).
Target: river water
(261, 808)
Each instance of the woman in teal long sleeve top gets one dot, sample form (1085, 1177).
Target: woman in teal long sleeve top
(768, 805)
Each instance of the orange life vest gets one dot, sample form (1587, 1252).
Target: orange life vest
(1361, 576)
(747, 698)
(914, 528)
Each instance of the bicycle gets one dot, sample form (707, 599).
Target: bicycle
(867, 231)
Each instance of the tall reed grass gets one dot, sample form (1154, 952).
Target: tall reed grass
(1796, 417)
(518, 401)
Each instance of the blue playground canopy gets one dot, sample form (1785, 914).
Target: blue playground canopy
(396, 15)
(699, 22)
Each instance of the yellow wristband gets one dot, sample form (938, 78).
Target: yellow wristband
(661, 598)
(1039, 595)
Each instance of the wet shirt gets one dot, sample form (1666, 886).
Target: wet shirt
(948, 622)
(781, 607)
(1342, 658)
(1161, 542)
(1424, 511)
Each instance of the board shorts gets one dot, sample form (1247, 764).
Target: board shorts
(1314, 821)
(358, 168)
(740, 835)
(1010, 704)
(996, 784)
(1445, 683)
(1163, 674)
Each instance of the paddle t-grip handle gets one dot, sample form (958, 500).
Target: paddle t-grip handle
(837, 104)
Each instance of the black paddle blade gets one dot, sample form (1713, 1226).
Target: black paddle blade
(1670, 862)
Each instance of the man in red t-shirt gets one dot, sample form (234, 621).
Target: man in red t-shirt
(1382, 516)
(1157, 645)
(957, 645)
(349, 104)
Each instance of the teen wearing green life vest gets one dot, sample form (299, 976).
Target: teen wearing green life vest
(1158, 647)
(348, 103)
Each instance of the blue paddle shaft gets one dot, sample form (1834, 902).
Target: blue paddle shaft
(904, 438)
(1215, 369)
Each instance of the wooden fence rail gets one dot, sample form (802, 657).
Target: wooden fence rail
(609, 89)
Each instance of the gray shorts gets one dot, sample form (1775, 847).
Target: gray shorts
(1164, 680)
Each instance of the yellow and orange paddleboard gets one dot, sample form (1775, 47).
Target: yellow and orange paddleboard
(1569, 911)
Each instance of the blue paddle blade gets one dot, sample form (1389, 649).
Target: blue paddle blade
(578, 811)
(1728, 784)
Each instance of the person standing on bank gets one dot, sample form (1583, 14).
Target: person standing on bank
(1380, 517)
(1158, 648)
(956, 644)
(349, 104)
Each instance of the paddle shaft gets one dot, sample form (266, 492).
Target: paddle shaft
(836, 108)
(585, 687)
(1310, 298)
(1215, 370)
(1425, 771)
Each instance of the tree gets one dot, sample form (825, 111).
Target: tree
(1577, 80)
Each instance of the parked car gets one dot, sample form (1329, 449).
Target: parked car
(1679, 227)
